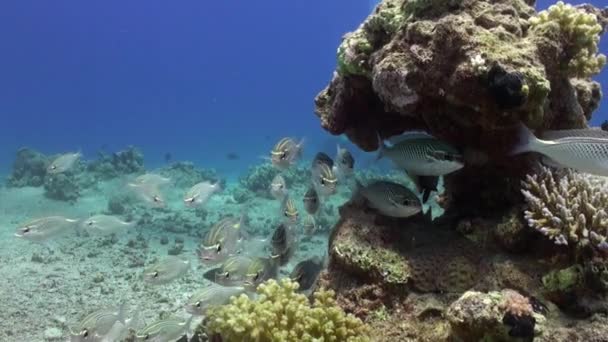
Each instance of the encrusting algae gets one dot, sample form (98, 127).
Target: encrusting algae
(281, 314)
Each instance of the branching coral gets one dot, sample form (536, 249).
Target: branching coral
(580, 33)
(281, 314)
(568, 207)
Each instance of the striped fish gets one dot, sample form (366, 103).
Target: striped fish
(169, 329)
(311, 201)
(391, 199)
(309, 225)
(63, 163)
(97, 324)
(324, 179)
(234, 271)
(585, 150)
(282, 244)
(306, 272)
(166, 270)
(289, 210)
(210, 296)
(44, 228)
(286, 153)
(260, 270)
(222, 240)
(423, 157)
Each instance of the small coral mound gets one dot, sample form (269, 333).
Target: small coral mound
(568, 208)
(29, 169)
(281, 314)
(580, 34)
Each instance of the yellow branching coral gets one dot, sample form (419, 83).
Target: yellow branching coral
(580, 32)
(281, 314)
(568, 207)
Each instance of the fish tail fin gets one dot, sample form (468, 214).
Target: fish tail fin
(122, 312)
(381, 147)
(526, 140)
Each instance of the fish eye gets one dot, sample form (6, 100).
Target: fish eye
(90, 223)
(156, 199)
(198, 304)
(53, 167)
(257, 275)
(84, 333)
(146, 336)
(286, 213)
(283, 155)
(155, 275)
(322, 181)
(227, 275)
(25, 230)
(219, 248)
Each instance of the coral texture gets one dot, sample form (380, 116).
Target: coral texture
(117, 164)
(29, 169)
(568, 208)
(281, 314)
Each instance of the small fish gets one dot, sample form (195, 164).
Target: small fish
(309, 225)
(311, 201)
(105, 224)
(234, 271)
(286, 153)
(200, 193)
(42, 229)
(260, 270)
(345, 163)
(582, 150)
(168, 157)
(166, 270)
(322, 158)
(306, 272)
(150, 194)
(151, 179)
(164, 330)
(391, 199)
(289, 210)
(63, 163)
(278, 188)
(420, 155)
(283, 244)
(222, 240)
(232, 156)
(211, 296)
(324, 180)
(97, 324)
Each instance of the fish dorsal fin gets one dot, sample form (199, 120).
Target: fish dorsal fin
(405, 136)
(575, 133)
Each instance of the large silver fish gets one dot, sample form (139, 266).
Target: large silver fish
(42, 229)
(149, 193)
(164, 330)
(166, 270)
(200, 193)
(423, 157)
(63, 163)
(211, 295)
(105, 224)
(391, 199)
(585, 150)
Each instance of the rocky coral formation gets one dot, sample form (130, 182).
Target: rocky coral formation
(117, 164)
(259, 177)
(62, 187)
(281, 314)
(568, 208)
(466, 71)
(29, 169)
(185, 174)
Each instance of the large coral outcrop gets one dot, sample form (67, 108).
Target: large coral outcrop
(466, 71)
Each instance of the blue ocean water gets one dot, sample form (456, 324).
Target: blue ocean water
(197, 79)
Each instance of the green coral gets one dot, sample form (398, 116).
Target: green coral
(353, 54)
(430, 8)
(281, 314)
(580, 33)
(563, 280)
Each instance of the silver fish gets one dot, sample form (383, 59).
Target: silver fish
(211, 295)
(391, 199)
(324, 179)
(200, 193)
(166, 270)
(63, 163)
(309, 225)
(278, 188)
(423, 157)
(222, 241)
(286, 153)
(97, 324)
(105, 224)
(164, 330)
(345, 163)
(234, 270)
(149, 194)
(42, 229)
(311, 201)
(289, 211)
(585, 153)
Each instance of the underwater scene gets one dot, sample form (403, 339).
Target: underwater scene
(279, 171)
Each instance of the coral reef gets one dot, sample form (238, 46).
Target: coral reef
(29, 169)
(259, 177)
(117, 164)
(185, 174)
(568, 208)
(62, 187)
(466, 71)
(281, 314)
